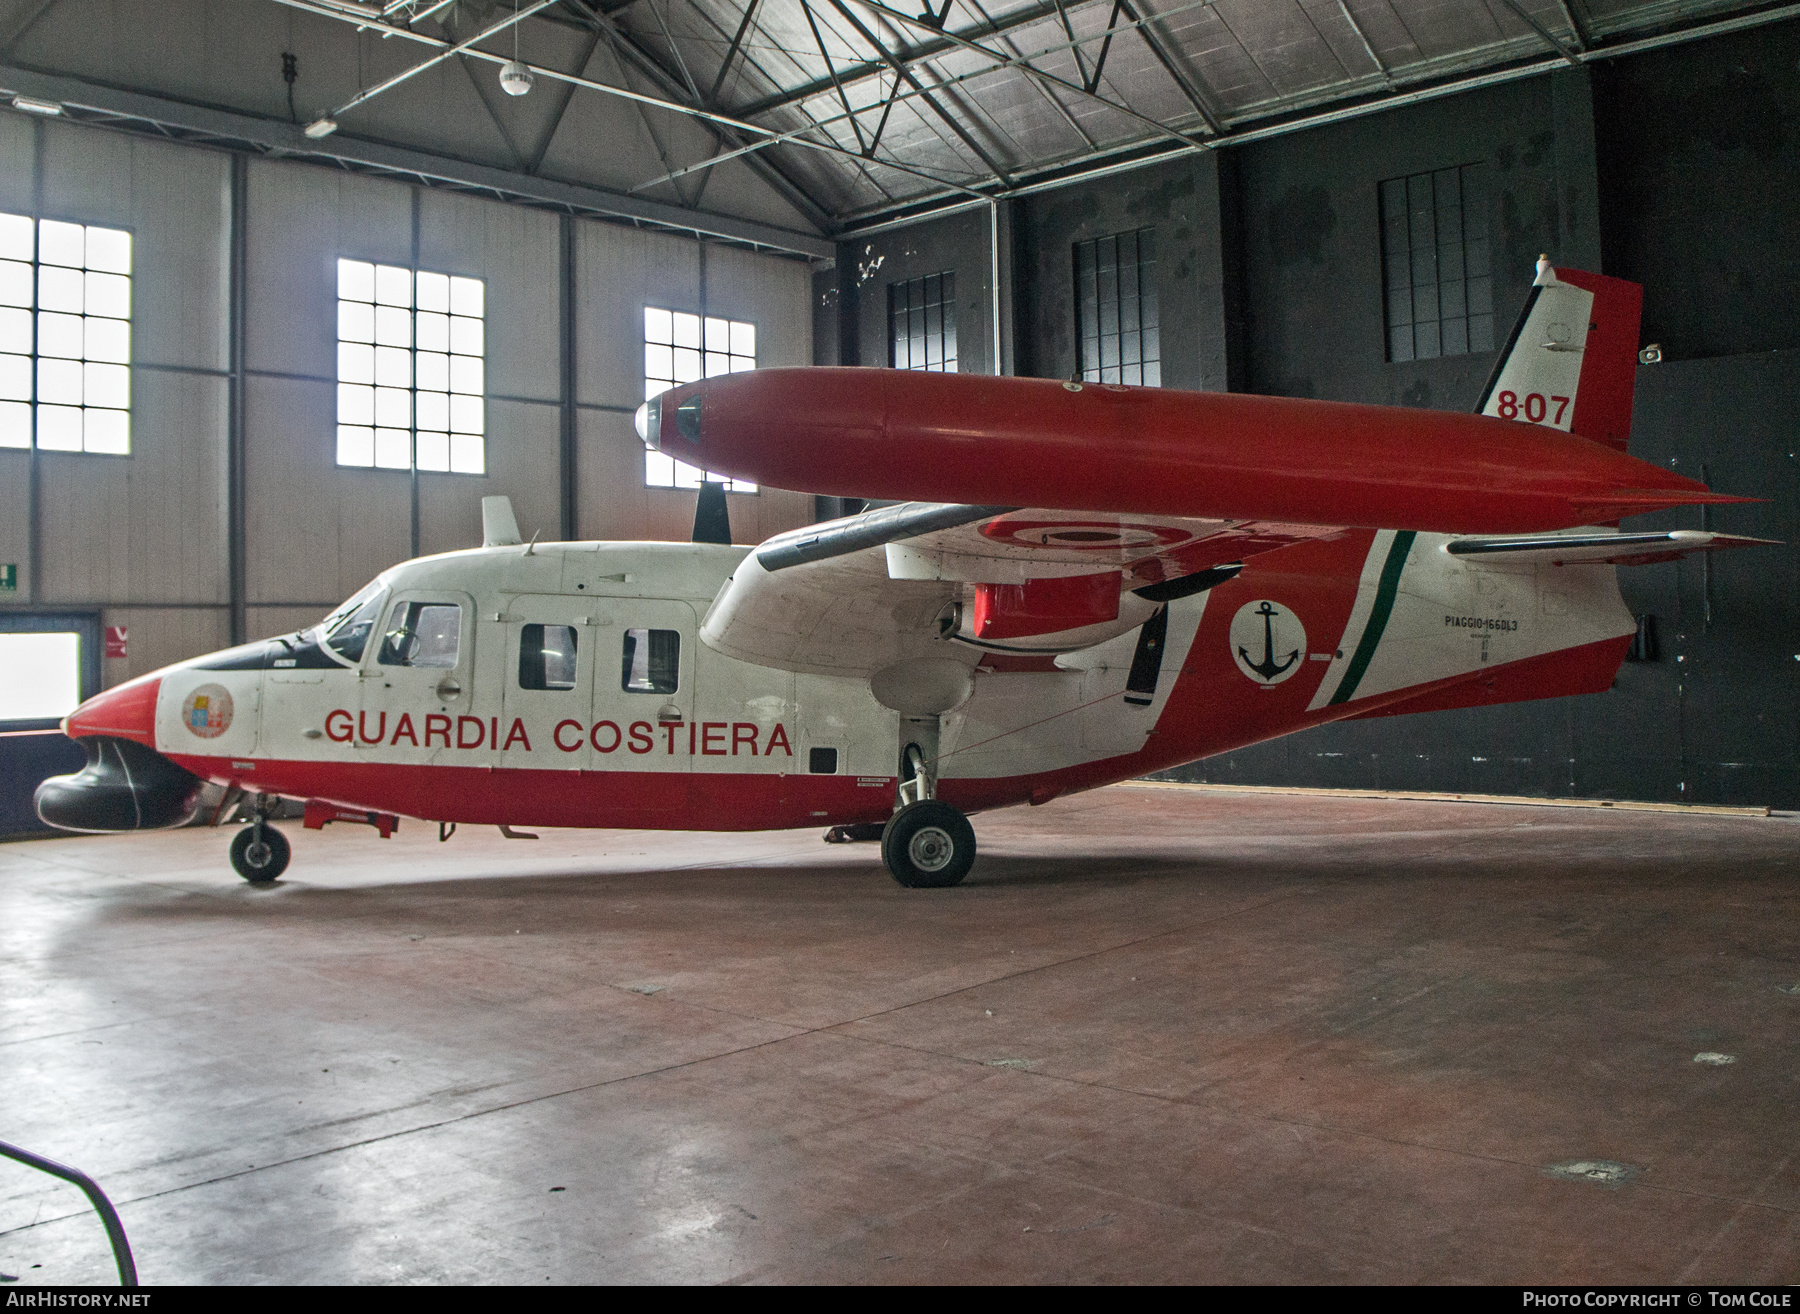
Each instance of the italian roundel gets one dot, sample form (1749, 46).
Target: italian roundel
(207, 711)
(1268, 641)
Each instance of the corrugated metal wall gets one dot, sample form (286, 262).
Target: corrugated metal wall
(145, 539)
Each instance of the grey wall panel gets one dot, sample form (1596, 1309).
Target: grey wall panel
(149, 527)
(176, 201)
(300, 221)
(157, 636)
(958, 244)
(770, 292)
(18, 167)
(521, 463)
(617, 271)
(515, 251)
(315, 531)
(15, 522)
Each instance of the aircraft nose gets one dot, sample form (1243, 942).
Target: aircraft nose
(649, 422)
(127, 712)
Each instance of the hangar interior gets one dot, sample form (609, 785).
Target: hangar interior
(288, 286)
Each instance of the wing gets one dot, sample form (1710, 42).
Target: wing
(915, 580)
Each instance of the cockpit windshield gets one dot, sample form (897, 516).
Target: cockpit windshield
(346, 631)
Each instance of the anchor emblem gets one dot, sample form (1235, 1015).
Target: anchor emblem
(1279, 630)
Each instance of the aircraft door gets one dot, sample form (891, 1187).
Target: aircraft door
(549, 683)
(419, 701)
(643, 708)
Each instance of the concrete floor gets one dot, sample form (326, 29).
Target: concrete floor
(1158, 1035)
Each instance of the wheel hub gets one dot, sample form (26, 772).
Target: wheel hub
(931, 849)
(258, 853)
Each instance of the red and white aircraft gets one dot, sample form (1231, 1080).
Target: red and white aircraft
(1076, 584)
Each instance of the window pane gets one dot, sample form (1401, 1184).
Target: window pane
(15, 284)
(465, 336)
(17, 237)
(356, 280)
(650, 661)
(108, 339)
(59, 382)
(62, 289)
(468, 454)
(659, 361)
(108, 432)
(687, 365)
(393, 407)
(687, 330)
(434, 371)
(356, 404)
(59, 428)
(741, 363)
(688, 476)
(356, 362)
(717, 364)
(654, 386)
(658, 325)
(393, 367)
(393, 449)
(15, 424)
(393, 326)
(60, 335)
(15, 377)
(434, 332)
(356, 445)
(356, 322)
(393, 286)
(432, 410)
(109, 250)
(432, 450)
(465, 414)
(743, 339)
(547, 657)
(659, 470)
(718, 334)
(109, 295)
(40, 675)
(422, 634)
(433, 292)
(107, 385)
(467, 297)
(62, 244)
(466, 375)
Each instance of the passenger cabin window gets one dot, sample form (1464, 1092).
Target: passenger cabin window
(822, 761)
(547, 657)
(347, 629)
(652, 662)
(422, 634)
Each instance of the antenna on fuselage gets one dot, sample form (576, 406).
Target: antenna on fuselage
(499, 527)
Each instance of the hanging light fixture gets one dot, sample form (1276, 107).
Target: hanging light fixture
(515, 78)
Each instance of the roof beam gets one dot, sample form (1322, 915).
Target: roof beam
(84, 101)
(1524, 16)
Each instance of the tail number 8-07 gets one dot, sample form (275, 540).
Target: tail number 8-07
(1535, 407)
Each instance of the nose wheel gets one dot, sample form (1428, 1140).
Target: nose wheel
(260, 853)
(928, 845)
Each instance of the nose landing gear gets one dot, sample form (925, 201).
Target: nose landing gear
(260, 853)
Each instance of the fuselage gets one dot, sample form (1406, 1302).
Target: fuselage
(568, 685)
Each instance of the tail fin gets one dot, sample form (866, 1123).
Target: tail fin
(1572, 357)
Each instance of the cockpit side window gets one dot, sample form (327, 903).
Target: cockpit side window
(651, 661)
(346, 631)
(422, 634)
(547, 657)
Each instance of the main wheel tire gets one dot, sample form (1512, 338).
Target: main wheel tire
(928, 845)
(260, 862)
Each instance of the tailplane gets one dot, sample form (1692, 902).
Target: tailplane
(1572, 358)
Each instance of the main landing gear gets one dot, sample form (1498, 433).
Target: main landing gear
(927, 844)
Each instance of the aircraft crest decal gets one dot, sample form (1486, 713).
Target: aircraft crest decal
(1268, 641)
(207, 711)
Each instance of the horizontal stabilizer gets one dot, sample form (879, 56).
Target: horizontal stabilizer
(1597, 549)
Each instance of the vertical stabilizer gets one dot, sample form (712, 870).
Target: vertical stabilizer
(1572, 358)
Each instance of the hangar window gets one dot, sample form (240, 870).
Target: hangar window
(65, 336)
(1115, 309)
(1434, 249)
(547, 657)
(922, 323)
(680, 348)
(411, 364)
(652, 662)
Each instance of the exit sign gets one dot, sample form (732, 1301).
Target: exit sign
(9, 577)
